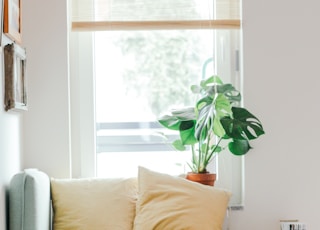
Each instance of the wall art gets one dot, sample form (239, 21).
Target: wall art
(12, 20)
(15, 77)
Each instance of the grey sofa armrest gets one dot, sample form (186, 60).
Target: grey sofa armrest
(29, 201)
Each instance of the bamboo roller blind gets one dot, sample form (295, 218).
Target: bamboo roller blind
(95, 15)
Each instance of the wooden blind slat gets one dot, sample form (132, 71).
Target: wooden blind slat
(154, 25)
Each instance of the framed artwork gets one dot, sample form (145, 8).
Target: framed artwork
(12, 19)
(15, 77)
(1, 19)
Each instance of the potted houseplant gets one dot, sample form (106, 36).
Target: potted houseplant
(214, 123)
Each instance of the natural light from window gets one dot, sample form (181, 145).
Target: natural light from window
(132, 61)
(139, 75)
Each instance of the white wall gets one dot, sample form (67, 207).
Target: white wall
(10, 146)
(10, 161)
(47, 125)
(281, 55)
(281, 70)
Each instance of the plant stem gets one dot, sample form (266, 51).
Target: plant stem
(214, 149)
(194, 167)
(207, 149)
(200, 158)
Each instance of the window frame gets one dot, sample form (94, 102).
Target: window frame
(82, 83)
(83, 124)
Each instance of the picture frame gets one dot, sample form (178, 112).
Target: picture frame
(15, 77)
(12, 19)
(1, 19)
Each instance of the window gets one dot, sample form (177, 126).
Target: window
(133, 61)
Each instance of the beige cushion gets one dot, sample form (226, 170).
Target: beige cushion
(96, 204)
(167, 202)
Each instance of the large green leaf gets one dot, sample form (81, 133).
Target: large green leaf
(214, 104)
(210, 110)
(222, 106)
(170, 122)
(239, 147)
(205, 117)
(206, 85)
(173, 121)
(184, 114)
(218, 128)
(187, 129)
(243, 125)
(227, 90)
(213, 86)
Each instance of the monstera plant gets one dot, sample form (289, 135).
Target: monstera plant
(214, 123)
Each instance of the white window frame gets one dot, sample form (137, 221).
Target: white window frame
(83, 125)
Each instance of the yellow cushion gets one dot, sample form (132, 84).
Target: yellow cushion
(167, 202)
(107, 204)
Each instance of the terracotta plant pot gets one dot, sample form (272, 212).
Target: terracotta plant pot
(202, 178)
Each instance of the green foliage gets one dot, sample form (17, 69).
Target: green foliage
(243, 125)
(213, 118)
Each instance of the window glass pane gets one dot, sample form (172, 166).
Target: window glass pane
(140, 75)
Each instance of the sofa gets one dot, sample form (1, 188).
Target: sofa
(152, 201)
